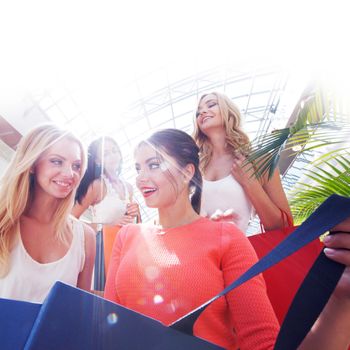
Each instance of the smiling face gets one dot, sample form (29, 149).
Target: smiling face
(208, 114)
(160, 180)
(57, 172)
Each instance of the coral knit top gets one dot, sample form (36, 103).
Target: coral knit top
(164, 274)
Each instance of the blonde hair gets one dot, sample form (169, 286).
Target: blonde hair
(17, 184)
(236, 138)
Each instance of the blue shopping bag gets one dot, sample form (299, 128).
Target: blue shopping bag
(71, 318)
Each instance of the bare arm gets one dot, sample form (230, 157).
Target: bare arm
(94, 194)
(332, 329)
(268, 197)
(85, 276)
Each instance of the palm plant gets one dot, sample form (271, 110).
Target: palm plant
(325, 178)
(321, 121)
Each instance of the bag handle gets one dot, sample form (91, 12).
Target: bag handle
(287, 221)
(332, 211)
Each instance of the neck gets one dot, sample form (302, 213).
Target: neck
(218, 142)
(111, 175)
(43, 209)
(177, 215)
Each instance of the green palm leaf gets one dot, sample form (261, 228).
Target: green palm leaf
(314, 127)
(331, 177)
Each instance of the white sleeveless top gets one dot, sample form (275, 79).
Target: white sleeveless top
(110, 210)
(224, 194)
(29, 280)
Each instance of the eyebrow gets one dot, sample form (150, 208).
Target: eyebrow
(206, 102)
(59, 156)
(151, 160)
(211, 100)
(56, 155)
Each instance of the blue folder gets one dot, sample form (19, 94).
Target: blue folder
(71, 318)
(16, 322)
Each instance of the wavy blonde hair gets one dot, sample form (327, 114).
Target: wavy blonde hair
(17, 184)
(236, 138)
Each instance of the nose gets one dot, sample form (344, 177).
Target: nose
(142, 177)
(201, 111)
(67, 171)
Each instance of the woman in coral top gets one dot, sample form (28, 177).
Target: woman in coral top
(168, 270)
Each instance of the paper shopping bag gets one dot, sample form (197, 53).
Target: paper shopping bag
(16, 321)
(284, 279)
(71, 318)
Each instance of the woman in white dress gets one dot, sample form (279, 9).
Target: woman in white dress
(229, 192)
(102, 196)
(40, 242)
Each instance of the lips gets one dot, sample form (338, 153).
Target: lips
(64, 185)
(147, 191)
(206, 118)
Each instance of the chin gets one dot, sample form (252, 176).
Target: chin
(151, 205)
(62, 195)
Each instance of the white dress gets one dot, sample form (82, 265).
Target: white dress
(112, 208)
(225, 194)
(29, 280)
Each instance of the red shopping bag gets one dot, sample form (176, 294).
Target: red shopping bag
(284, 279)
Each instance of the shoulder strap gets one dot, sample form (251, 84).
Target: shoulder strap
(331, 212)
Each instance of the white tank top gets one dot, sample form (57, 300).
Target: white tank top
(110, 210)
(29, 280)
(224, 194)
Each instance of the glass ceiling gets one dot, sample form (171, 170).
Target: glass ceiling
(162, 99)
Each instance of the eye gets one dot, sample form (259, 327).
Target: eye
(137, 168)
(212, 104)
(56, 161)
(197, 114)
(76, 166)
(153, 165)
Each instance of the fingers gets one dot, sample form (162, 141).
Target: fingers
(217, 215)
(127, 219)
(132, 209)
(132, 212)
(338, 247)
(239, 156)
(343, 226)
(227, 215)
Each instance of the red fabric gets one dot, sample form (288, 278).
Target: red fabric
(166, 274)
(284, 279)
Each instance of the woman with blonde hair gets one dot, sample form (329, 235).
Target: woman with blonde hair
(40, 243)
(230, 192)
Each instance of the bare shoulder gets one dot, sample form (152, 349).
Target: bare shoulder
(97, 190)
(96, 185)
(89, 232)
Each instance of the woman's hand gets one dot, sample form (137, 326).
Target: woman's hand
(243, 173)
(338, 249)
(132, 209)
(331, 330)
(125, 220)
(227, 215)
